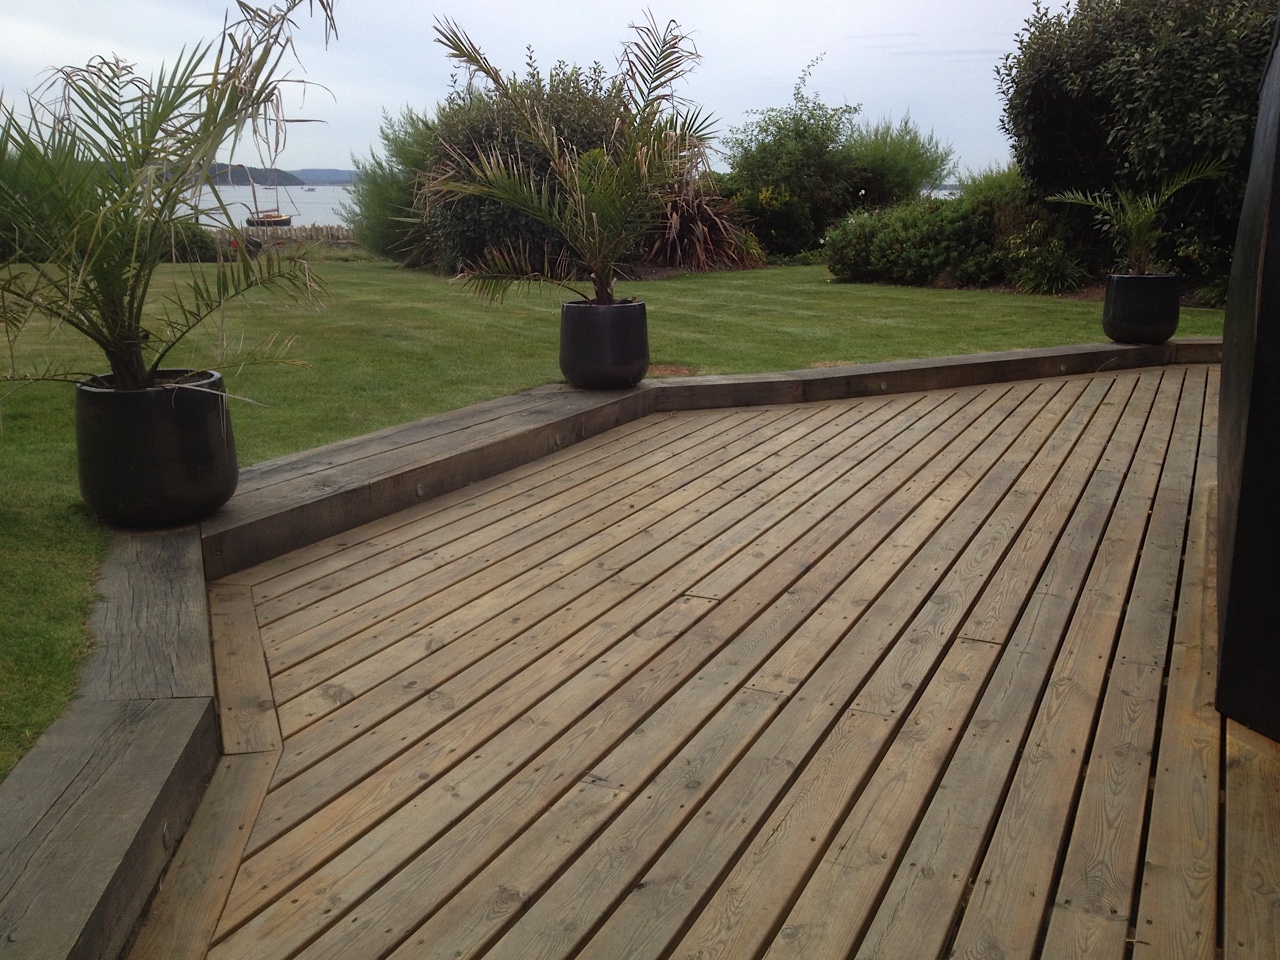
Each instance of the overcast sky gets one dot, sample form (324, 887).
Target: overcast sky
(933, 59)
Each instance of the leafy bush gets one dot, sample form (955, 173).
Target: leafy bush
(385, 211)
(583, 105)
(389, 216)
(192, 243)
(1037, 261)
(1033, 249)
(916, 243)
(1122, 95)
(701, 230)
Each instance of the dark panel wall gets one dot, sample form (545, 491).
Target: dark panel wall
(1249, 445)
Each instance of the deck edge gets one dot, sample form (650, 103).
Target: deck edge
(331, 498)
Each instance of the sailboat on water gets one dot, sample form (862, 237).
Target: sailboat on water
(265, 217)
(271, 217)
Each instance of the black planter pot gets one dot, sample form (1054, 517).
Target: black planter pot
(1140, 309)
(603, 347)
(159, 457)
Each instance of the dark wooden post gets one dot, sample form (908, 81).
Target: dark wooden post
(1249, 445)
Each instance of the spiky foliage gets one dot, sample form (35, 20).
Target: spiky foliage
(1133, 219)
(601, 201)
(700, 230)
(100, 175)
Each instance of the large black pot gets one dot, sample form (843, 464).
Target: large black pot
(159, 457)
(604, 347)
(1140, 309)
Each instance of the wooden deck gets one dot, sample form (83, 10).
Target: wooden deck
(911, 676)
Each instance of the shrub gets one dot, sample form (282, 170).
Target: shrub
(701, 230)
(1122, 95)
(1037, 261)
(192, 243)
(385, 209)
(798, 169)
(381, 210)
(1033, 247)
(583, 105)
(916, 243)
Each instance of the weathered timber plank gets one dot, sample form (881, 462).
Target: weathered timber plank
(481, 522)
(538, 582)
(390, 914)
(933, 874)
(477, 503)
(740, 609)
(263, 524)
(914, 441)
(934, 373)
(383, 917)
(835, 907)
(547, 583)
(183, 916)
(103, 794)
(1251, 827)
(292, 466)
(690, 539)
(151, 624)
(346, 492)
(960, 504)
(246, 707)
(899, 576)
(506, 759)
(580, 895)
(505, 890)
(749, 904)
(1013, 891)
(1096, 889)
(643, 609)
(533, 536)
(1178, 909)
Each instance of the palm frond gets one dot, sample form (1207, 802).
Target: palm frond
(107, 161)
(602, 200)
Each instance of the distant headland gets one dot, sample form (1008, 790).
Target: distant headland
(241, 176)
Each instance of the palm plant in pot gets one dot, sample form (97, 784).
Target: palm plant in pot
(600, 202)
(1142, 304)
(100, 180)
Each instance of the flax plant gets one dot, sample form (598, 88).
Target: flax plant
(106, 166)
(601, 201)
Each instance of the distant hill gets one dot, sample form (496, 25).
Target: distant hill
(241, 176)
(324, 176)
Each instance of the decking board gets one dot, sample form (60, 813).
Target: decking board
(880, 677)
(769, 583)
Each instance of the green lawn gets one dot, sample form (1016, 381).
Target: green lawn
(388, 346)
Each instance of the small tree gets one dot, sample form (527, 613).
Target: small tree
(798, 169)
(98, 178)
(899, 162)
(792, 169)
(381, 210)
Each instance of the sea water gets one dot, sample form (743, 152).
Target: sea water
(318, 206)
